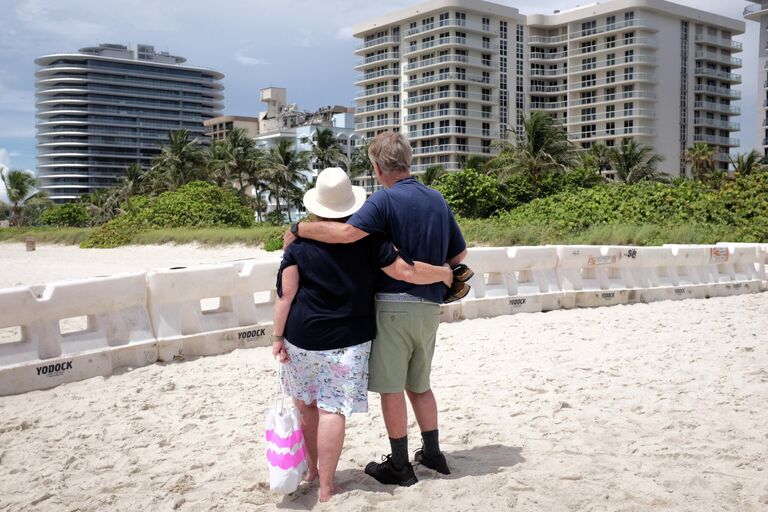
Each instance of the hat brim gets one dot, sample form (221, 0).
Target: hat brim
(334, 211)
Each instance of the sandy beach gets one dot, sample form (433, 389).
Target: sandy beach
(629, 408)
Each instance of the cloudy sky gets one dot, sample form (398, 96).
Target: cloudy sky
(303, 45)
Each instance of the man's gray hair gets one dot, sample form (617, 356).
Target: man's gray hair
(391, 152)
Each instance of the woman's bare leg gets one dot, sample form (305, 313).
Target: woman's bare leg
(309, 421)
(330, 436)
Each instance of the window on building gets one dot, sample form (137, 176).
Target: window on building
(629, 56)
(610, 22)
(629, 73)
(610, 76)
(610, 128)
(588, 80)
(588, 28)
(589, 63)
(610, 41)
(610, 59)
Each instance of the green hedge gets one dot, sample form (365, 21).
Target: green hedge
(71, 215)
(739, 208)
(195, 205)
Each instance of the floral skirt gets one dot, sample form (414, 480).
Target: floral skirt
(337, 379)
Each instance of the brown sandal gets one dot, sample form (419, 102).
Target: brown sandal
(457, 291)
(462, 273)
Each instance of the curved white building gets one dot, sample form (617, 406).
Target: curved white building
(109, 106)
(759, 13)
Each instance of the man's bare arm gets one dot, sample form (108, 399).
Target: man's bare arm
(458, 258)
(419, 272)
(328, 232)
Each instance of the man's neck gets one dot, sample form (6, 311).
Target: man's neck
(389, 180)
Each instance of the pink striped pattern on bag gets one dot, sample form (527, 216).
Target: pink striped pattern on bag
(284, 442)
(287, 460)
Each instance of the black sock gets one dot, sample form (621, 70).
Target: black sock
(399, 451)
(431, 443)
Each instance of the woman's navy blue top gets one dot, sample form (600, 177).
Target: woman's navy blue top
(334, 306)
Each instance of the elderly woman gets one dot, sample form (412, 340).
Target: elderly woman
(325, 321)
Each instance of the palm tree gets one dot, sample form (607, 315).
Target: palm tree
(234, 159)
(179, 162)
(634, 162)
(101, 205)
(543, 148)
(476, 162)
(748, 163)
(702, 159)
(285, 171)
(326, 149)
(129, 184)
(432, 174)
(596, 156)
(19, 186)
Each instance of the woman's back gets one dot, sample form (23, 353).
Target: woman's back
(334, 306)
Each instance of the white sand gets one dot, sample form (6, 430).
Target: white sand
(632, 408)
(64, 262)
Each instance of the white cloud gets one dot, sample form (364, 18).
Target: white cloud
(345, 33)
(305, 41)
(16, 99)
(246, 60)
(36, 15)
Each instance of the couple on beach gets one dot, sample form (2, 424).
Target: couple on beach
(326, 318)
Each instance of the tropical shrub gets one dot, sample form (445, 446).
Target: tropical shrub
(194, 205)
(739, 204)
(72, 215)
(470, 193)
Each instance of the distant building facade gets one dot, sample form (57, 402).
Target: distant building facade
(217, 128)
(445, 73)
(759, 13)
(454, 75)
(107, 107)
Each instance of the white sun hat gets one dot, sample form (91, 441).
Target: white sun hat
(334, 196)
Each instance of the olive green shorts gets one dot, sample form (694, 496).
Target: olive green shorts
(401, 355)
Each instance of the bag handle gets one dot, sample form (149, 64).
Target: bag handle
(279, 391)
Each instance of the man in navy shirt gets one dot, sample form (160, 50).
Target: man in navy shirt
(421, 225)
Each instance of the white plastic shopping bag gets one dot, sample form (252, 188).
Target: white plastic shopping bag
(286, 452)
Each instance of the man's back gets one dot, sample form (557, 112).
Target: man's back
(419, 223)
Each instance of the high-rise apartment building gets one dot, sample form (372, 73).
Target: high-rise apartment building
(106, 107)
(446, 74)
(759, 13)
(456, 74)
(652, 70)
